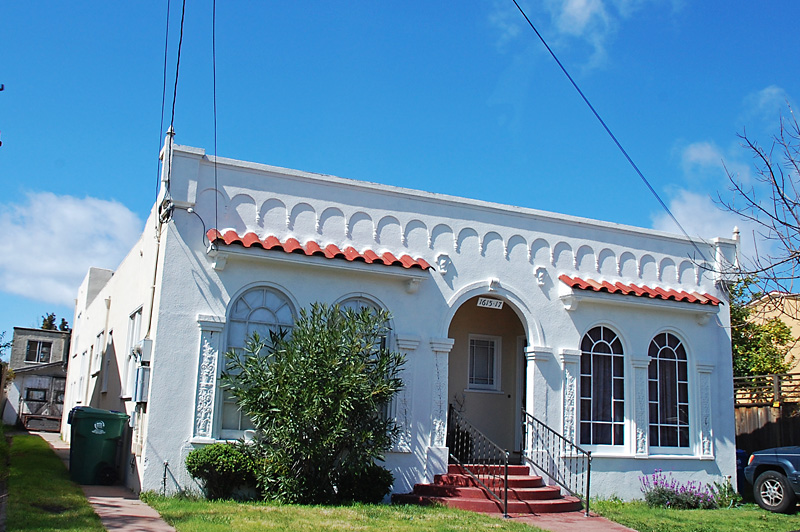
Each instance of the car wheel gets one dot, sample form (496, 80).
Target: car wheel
(773, 492)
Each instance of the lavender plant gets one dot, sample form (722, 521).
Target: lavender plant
(663, 490)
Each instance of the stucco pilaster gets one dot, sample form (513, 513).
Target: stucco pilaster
(402, 407)
(641, 403)
(207, 368)
(441, 350)
(704, 392)
(537, 360)
(570, 360)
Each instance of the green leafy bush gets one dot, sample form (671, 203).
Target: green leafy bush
(315, 398)
(223, 468)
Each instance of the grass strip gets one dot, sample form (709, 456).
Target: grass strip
(41, 495)
(749, 517)
(192, 515)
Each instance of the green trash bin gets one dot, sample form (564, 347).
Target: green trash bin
(93, 447)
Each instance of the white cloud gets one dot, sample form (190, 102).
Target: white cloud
(705, 160)
(766, 105)
(507, 20)
(51, 241)
(701, 217)
(593, 22)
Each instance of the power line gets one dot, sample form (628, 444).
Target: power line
(171, 130)
(608, 130)
(163, 99)
(177, 66)
(214, 71)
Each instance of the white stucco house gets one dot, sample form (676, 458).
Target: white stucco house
(616, 337)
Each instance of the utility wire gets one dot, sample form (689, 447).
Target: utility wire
(163, 100)
(614, 138)
(175, 92)
(177, 66)
(214, 71)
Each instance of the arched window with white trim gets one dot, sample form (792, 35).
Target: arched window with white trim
(602, 388)
(668, 383)
(261, 310)
(358, 303)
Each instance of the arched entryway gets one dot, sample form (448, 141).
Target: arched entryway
(486, 372)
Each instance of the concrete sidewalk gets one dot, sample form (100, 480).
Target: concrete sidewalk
(120, 510)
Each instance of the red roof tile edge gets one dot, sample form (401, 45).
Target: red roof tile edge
(640, 291)
(291, 245)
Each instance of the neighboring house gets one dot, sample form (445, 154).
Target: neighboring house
(786, 307)
(615, 336)
(36, 395)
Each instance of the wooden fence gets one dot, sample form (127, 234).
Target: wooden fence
(767, 411)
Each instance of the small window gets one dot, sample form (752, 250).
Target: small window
(36, 394)
(38, 352)
(97, 353)
(134, 332)
(484, 362)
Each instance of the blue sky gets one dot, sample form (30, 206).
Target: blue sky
(452, 97)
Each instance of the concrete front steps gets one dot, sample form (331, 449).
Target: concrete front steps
(527, 494)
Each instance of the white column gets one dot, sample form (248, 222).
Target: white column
(570, 360)
(402, 407)
(537, 359)
(436, 458)
(441, 350)
(207, 369)
(704, 426)
(641, 408)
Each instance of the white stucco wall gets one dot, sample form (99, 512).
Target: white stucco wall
(477, 248)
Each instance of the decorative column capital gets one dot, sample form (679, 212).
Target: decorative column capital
(569, 356)
(442, 345)
(210, 323)
(704, 368)
(640, 363)
(407, 342)
(535, 353)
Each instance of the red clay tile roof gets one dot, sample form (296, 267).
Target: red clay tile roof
(641, 291)
(330, 251)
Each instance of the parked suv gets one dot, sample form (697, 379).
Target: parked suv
(775, 477)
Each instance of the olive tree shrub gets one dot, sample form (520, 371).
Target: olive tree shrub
(316, 397)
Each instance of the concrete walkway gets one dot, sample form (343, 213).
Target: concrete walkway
(120, 510)
(571, 522)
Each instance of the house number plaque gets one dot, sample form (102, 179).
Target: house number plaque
(487, 302)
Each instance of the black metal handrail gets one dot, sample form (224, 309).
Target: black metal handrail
(479, 457)
(567, 464)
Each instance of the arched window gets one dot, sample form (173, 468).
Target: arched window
(358, 303)
(602, 407)
(669, 392)
(262, 309)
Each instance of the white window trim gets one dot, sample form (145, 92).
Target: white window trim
(627, 449)
(693, 450)
(496, 386)
(220, 433)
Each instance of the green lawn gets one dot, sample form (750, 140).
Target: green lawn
(227, 516)
(749, 518)
(40, 493)
(41, 497)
